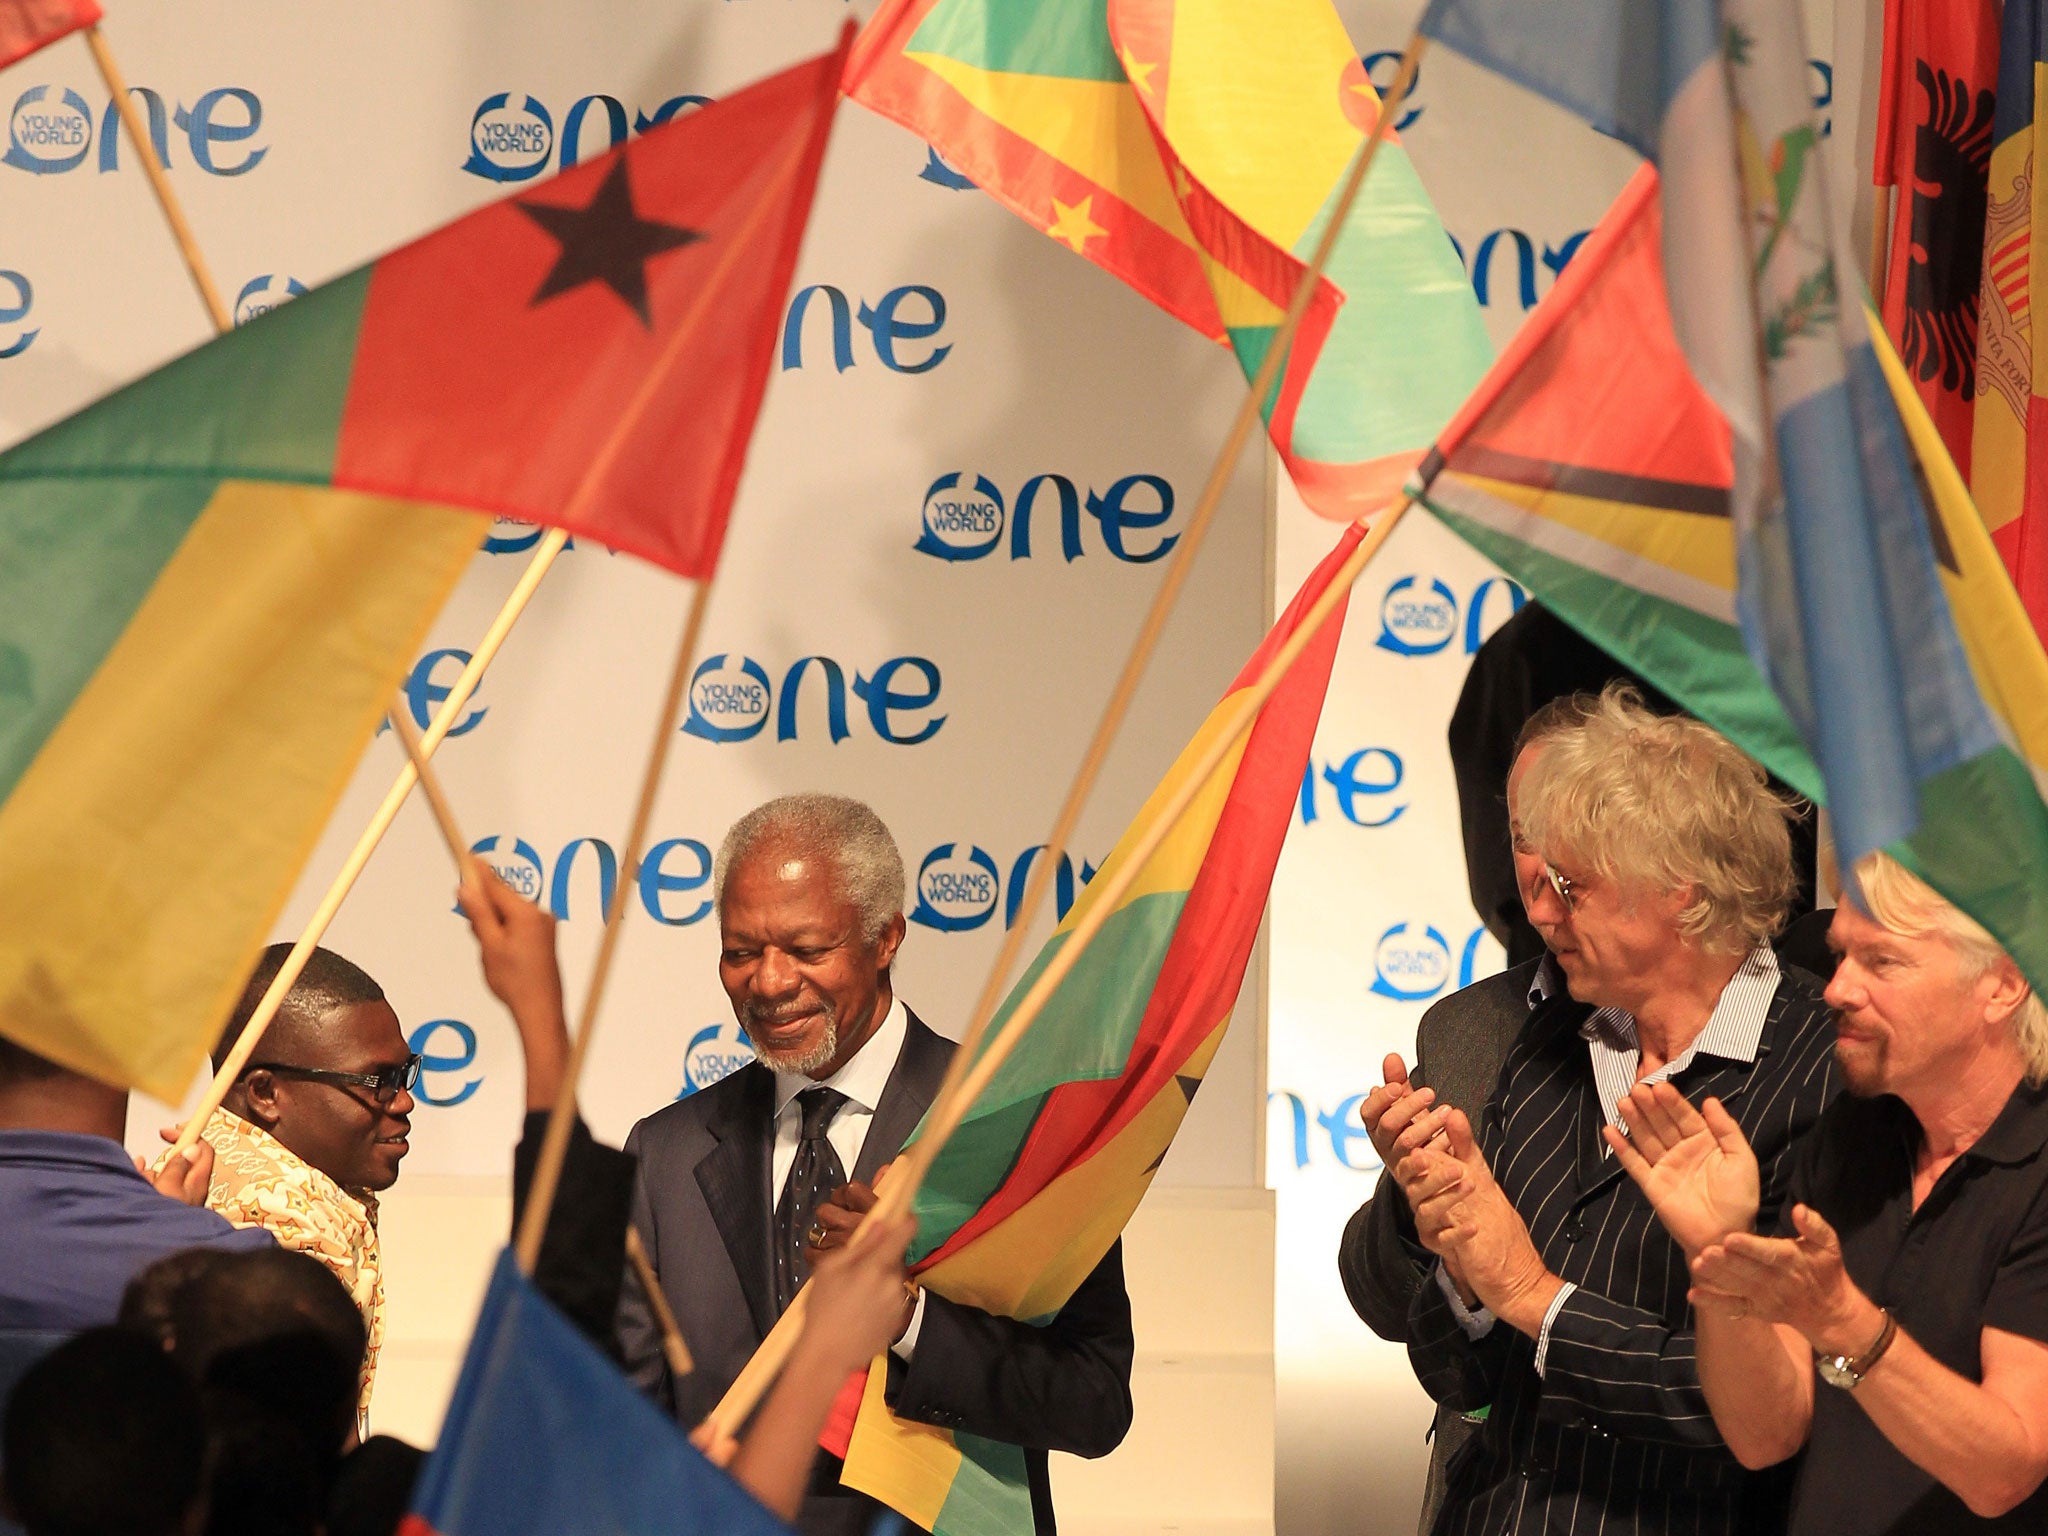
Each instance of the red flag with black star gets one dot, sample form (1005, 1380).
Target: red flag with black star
(1934, 123)
(26, 25)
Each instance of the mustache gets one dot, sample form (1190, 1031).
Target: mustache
(784, 1013)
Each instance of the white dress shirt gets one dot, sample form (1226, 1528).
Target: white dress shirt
(862, 1080)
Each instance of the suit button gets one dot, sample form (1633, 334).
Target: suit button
(1573, 1232)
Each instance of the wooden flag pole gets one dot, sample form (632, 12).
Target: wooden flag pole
(948, 1110)
(760, 1371)
(1119, 703)
(673, 1349)
(430, 786)
(352, 867)
(548, 1170)
(159, 182)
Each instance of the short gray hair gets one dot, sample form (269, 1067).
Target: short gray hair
(836, 827)
(1664, 803)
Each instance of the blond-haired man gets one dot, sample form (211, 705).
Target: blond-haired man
(1895, 1321)
(1658, 866)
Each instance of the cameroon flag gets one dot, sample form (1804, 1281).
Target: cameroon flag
(1050, 1162)
(1195, 148)
(212, 580)
(1595, 471)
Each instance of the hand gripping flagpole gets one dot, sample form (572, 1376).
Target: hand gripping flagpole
(965, 1076)
(554, 1148)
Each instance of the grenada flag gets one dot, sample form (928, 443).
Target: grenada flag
(1194, 148)
(212, 580)
(1053, 1157)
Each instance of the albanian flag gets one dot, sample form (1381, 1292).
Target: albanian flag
(26, 25)
(1934, 123)
(212, 580)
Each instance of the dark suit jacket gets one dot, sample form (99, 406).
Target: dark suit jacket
(1459, 1047)
(705, 1211)
(1615, 1436)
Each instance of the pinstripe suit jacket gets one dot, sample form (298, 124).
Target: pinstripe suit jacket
(1615, 1436)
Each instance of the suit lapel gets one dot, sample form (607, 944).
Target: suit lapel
(913, 1083)
(734, 1177)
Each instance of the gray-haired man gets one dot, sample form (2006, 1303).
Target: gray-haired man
(742, 1182)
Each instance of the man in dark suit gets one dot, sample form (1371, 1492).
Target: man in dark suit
(810, 893)
(1557, 1302)
(1459, 1047)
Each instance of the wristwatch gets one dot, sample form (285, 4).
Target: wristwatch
(1848, 1371)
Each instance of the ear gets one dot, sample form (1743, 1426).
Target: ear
(890, 941)
(258, 1092)
(2005, 991)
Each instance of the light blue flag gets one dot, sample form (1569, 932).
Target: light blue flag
(1840, 599)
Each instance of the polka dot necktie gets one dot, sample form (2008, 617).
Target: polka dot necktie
(816, 1172)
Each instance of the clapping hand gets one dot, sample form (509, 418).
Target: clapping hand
(1694, 1165)
(1799, 1281)
(1391, 1108)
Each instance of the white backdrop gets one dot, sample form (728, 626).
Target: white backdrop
(948, 368)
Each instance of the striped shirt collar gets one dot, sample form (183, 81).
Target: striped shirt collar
(1734, 1031)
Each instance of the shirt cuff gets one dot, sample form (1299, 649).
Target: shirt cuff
(903, 1346)
(1550, 1316)
(1476, 1323)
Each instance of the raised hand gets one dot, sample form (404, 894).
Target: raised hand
(185, 1179)
(860, 1297)
(1694, 1165)
(1389, 1109)
(516, 942)
(1799, 1281)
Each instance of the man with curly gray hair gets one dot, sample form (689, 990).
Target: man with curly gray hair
(744, 1184)
(1656, 866)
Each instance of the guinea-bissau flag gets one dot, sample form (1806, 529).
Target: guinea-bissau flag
(543, 1436)
(1194, 148)
(1050, 1161)
(1594, 470)
(212, 580)
(26, 25)
(1934, 110)
(2008, 466)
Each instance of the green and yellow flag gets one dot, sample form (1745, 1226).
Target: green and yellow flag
(1194, 148)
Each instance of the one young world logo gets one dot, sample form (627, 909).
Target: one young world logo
(510, 140)
(260, 295)
(714, 1052)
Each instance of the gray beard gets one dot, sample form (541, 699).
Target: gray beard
(803, 1062)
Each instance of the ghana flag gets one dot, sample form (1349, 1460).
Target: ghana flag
(1053, 1157)
(212, 580)
(1194, 148)
(1594, 470)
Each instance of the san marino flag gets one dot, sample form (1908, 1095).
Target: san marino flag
(212, 580)
(1194, 148)
(1054, 1156)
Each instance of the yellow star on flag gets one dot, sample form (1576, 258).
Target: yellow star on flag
(1073, 224)
(1140, 74)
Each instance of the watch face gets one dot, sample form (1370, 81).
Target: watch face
(1836, 1370)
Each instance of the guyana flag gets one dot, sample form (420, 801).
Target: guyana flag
(26, 25)
(1594, 470)
(1050, 1162)
(1194, 148)
(212, 580)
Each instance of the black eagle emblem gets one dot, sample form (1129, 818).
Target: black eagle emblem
(1951, 166)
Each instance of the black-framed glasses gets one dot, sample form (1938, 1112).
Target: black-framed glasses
(383, 1085)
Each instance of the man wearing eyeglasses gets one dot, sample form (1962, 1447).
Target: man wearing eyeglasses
(1656, 866)
(316, 1125)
